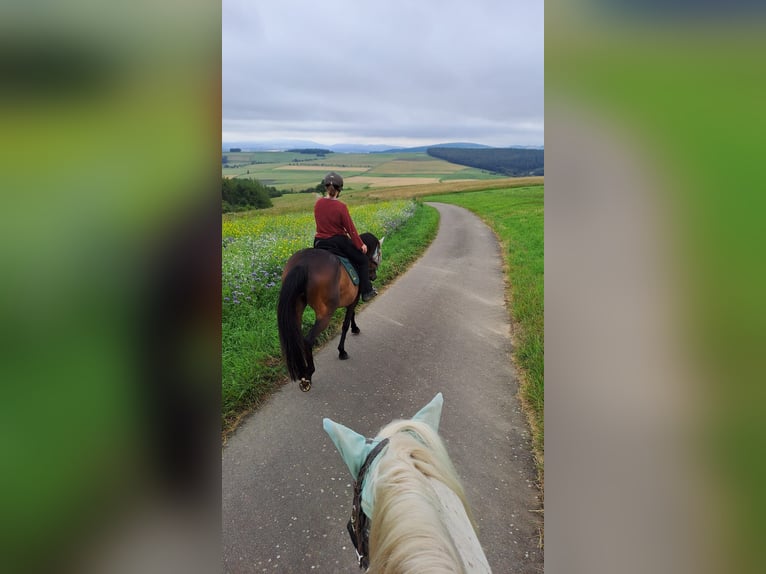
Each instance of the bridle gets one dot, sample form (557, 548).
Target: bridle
(358, 526)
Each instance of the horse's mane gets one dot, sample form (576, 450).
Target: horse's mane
(407, 532)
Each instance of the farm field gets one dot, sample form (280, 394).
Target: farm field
(292, 202)
(293, 172)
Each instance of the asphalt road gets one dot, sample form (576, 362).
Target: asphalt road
(442, 327)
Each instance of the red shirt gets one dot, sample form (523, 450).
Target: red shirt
(332, 219)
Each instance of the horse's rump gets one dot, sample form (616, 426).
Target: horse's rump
(314, 277)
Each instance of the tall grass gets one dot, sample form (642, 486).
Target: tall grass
(516, 216)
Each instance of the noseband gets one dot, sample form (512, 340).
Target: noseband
(359, 524)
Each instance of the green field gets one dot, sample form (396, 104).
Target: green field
(292, 202)
(293, 172)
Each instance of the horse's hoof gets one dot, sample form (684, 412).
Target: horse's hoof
(356, 331)
(343, 355)
(305, 385)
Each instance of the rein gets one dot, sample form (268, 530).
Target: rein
(358, 525)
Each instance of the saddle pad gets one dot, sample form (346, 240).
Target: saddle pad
(350, 268)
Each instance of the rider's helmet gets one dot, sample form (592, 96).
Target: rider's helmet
(333, 178)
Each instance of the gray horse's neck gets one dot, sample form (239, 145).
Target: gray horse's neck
(461, 530)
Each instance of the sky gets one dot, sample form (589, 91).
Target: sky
(399, 73)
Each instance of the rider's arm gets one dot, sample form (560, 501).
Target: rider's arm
(352, 233)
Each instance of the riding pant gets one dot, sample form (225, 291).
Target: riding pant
(343, 245)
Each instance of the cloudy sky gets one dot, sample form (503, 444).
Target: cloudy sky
(395, 72)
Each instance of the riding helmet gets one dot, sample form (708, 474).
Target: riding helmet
(334, 179)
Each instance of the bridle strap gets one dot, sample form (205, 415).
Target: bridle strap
(357, 526)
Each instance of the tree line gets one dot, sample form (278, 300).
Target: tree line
(244, 194)
(513, 162)
(311, 150)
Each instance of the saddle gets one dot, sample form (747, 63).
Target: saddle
(350, 269)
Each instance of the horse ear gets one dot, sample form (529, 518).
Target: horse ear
(431, 414)
(352, 446)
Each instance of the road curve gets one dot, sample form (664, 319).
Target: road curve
(443, 326)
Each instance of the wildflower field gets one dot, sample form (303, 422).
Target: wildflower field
(255, 247)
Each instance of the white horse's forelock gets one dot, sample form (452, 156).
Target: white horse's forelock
(409, 533)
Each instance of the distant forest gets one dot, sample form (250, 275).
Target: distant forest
(507, 161)
(244, 194)
(311, 150)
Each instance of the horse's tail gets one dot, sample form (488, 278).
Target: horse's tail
(290, 336)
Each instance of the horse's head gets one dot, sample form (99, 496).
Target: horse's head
(373, 253)
(354, 448)
(409, 512)
(362, 456)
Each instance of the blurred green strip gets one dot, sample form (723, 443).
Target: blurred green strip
(110, 138)
(695, 99)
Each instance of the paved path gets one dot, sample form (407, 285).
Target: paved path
(443, 326)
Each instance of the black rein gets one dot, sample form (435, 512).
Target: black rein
(358, 525)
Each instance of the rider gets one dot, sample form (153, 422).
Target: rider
(334, 229)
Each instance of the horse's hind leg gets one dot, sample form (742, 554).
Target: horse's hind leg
(305, 383)
(319, 325)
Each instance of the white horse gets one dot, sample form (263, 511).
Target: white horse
(409, 513)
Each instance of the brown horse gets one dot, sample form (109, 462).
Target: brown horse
(316, 278)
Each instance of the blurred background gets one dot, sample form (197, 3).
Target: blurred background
(654, 287)
(110, 288)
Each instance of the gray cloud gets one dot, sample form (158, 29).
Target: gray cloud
(398, 72)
